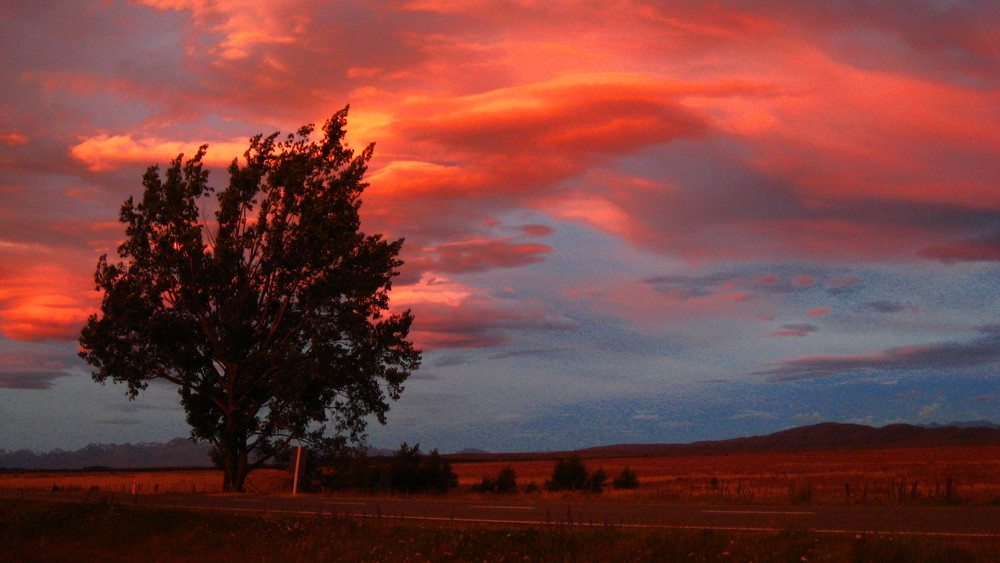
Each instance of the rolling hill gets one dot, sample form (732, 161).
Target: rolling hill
(180, 452)
(824, 436)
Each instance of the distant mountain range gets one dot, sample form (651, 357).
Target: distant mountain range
(824, 436)
(181, 452)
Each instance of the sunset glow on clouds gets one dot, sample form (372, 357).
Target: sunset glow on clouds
(610, 209)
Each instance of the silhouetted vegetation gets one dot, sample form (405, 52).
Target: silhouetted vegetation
(271, 317)
(505, 482)
(570, 474)
(410, 471)
(407, 471)
(627, 479)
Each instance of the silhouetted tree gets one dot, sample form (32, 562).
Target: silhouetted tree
(410, 471)
(506, 480)
(437, 472)
(271, 319)
(404, 469)
(569, 474)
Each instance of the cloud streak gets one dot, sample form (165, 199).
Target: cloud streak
(949, 355)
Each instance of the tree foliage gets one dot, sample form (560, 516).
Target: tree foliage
(410, 471)
(570, 474)
(272, 319)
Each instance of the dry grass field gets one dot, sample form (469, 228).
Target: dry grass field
(940, 475)
(263, 481)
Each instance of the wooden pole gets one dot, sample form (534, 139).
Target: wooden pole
(295, 479)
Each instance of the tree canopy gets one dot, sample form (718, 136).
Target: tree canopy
(273, 319)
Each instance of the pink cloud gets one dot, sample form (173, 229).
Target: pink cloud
(981, 249)
(983, 349)
(480, 255)
(244, 24)
(452, 315)
(537, 230)
(795, 329)
(818, 312)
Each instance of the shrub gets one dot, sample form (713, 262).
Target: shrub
(505, 482)
(487, 485)
(596, 480)
(571, 474)
(627, 479)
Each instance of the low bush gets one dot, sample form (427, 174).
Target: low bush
(570, 474)
(505, 482)
(627, 479)
(408, 471)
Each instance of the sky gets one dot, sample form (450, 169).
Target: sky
(625, 221)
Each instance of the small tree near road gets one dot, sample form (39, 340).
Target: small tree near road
(570, 474)
(411, 472)
(272, 317)
(506, 480)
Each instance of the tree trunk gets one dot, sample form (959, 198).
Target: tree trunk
(234, 464)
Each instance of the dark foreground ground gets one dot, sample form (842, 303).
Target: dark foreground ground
(35, 530)
(580, 511)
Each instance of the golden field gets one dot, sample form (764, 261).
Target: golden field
(958, 474)
(931, 475)
(263, 481)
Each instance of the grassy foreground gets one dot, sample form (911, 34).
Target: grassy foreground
(50, 531)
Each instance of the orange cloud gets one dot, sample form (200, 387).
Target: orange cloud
(604, 113)
(482, 154)
(244, 24)
(103, 152)
(13, 139)
(43, 302)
